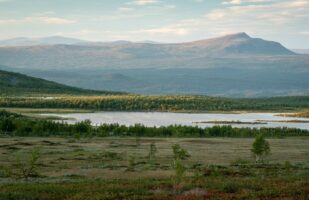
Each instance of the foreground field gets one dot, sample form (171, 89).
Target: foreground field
(45, 160)
(117, 168)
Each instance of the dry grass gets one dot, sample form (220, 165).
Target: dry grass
(109, 157)
(304, 114)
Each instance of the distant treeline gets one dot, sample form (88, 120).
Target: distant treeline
(159, 103)
(17, 125)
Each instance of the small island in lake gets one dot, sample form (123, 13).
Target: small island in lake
(231, 122)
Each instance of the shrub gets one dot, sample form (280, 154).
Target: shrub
(179, 155)
(152, 151)
(28, 167)
(260, 148)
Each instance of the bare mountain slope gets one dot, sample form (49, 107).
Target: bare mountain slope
(140, 55)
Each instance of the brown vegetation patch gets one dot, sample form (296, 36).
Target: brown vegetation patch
(202, 141)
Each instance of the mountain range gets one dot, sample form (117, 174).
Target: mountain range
(53, 40)
(123, 54)
(234, 65)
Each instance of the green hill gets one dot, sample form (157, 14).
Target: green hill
(19, 84)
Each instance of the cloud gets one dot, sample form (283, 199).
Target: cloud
(143, 2)
(38, 19)
(304, 33)
(44, 13)
(164, 30)
(125, 9)
(277, 18)
(129, 10)
(233, 2)
(53, 20)
(272, 19)
(150, 3)
(239, 2)
(119, 16)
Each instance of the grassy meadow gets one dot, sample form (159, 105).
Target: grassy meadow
(120, 168)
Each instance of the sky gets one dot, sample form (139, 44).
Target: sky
(285, 21)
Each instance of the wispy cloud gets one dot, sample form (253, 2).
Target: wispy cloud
(53, 20)
(164, 30)
(239, 2)
(253, 18)
(38, 19)
(272, 18)
(143, 2)
(125, 9)
(155, 4)
(304, 32)
(198, 1)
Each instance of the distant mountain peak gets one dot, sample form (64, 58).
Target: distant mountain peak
(241, 35)
(239, 44)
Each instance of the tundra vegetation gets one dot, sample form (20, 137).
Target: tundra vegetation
(42, 159)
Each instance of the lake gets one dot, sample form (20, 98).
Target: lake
(190, 119)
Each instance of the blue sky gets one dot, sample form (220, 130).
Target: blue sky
(286, 21)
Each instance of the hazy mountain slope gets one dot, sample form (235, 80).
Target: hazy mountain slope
(234, 66)
(301, 51)
(240, 43)
(53, 40)
(228, 82)
(15, 83)
(141, 55)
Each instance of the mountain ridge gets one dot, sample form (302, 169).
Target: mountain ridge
(230, 39)
(123, 54)
(234, 66)
(50, 40)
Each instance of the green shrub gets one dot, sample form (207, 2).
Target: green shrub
(28, 167)
(260, 148)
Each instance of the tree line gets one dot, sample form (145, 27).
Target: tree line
(158, 103)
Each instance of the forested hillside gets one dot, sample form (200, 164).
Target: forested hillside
(160, 103)
(19, 84)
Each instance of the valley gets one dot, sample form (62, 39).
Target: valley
(235, 65)
(222, 118)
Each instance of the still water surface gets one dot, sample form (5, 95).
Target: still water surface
(189, 119)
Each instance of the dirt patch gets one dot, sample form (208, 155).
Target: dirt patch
(193, 194)
(50, 143)
(23, 144)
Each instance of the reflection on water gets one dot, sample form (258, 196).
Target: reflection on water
(165, 119)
